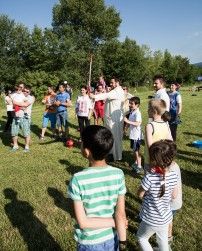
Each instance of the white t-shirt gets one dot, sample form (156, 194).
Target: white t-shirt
(162, 94)
(18, 97)
(28, 109)
(83, 106)
(179, 99)
(177, 203)
(135, 131)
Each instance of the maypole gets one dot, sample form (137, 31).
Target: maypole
(90, 71)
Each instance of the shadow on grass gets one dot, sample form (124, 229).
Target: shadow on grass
(192, 179)
(32, 230)
(6, 138)
(72, 169)
(61, 201)
(56, 140)
(182, 155)
(194, 134)
(189, 153)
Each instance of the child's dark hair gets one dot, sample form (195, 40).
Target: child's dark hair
(136, 100)
(161, 155)
(84, 87)
(99, 140)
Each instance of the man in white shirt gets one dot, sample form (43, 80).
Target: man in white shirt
(159, 86)
(113, 117)
(24, 101)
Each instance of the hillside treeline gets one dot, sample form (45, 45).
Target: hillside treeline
(81, 28)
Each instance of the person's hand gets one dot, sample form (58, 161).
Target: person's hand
(69, 103)
(91, 95)
(57, 103)
(126, 120)
(43, 101)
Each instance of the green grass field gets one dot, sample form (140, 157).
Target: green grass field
(35, 214)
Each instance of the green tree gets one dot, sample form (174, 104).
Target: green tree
(13, 42)
(124, 60)
(89, 22)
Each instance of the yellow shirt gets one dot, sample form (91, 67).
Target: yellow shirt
(161, 130)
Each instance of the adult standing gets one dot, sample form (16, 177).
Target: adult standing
(28, 112)
(9, 109)
(175, 108)
(113, 117)
(159, 86)
(50, 112)
(22, 119)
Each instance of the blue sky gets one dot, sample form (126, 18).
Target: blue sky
(175, 25)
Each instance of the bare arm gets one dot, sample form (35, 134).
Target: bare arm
(148, 134)
(120, 218)
(140, 192)
(179, 110)
(174, 193)
(135, 123)
(88, 222)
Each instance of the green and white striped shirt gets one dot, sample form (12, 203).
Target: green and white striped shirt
(98, 188)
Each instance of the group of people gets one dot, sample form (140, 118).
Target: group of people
(98, 192)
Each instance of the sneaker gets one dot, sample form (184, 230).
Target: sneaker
(14, 149)
(41, 138)
(26, 150)
(136, 168)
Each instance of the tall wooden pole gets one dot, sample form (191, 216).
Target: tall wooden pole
(90, 70)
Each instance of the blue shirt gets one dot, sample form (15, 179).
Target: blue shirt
(62, 97)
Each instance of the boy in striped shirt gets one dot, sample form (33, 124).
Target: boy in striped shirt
(98, 194)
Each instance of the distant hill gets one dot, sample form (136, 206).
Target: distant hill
(198, 64)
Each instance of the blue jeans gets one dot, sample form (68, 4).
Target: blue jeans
(62, 119)
(110, 245)
(47, 116)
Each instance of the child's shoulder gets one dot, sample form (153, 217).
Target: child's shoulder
(90, 170)
(174, 167)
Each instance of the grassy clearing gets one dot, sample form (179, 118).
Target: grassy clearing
(40, 218)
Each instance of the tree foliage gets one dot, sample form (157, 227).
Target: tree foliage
(82, 28)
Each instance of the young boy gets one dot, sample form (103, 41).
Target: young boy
(98, 196)
(134, 121)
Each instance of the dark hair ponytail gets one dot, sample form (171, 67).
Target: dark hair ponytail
(163, 186)
(161, 155)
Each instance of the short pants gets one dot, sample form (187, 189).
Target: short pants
(48, 116)
(135, 144)
(23, 123)
(110, 245)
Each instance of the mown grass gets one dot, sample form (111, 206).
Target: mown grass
(40, 217)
